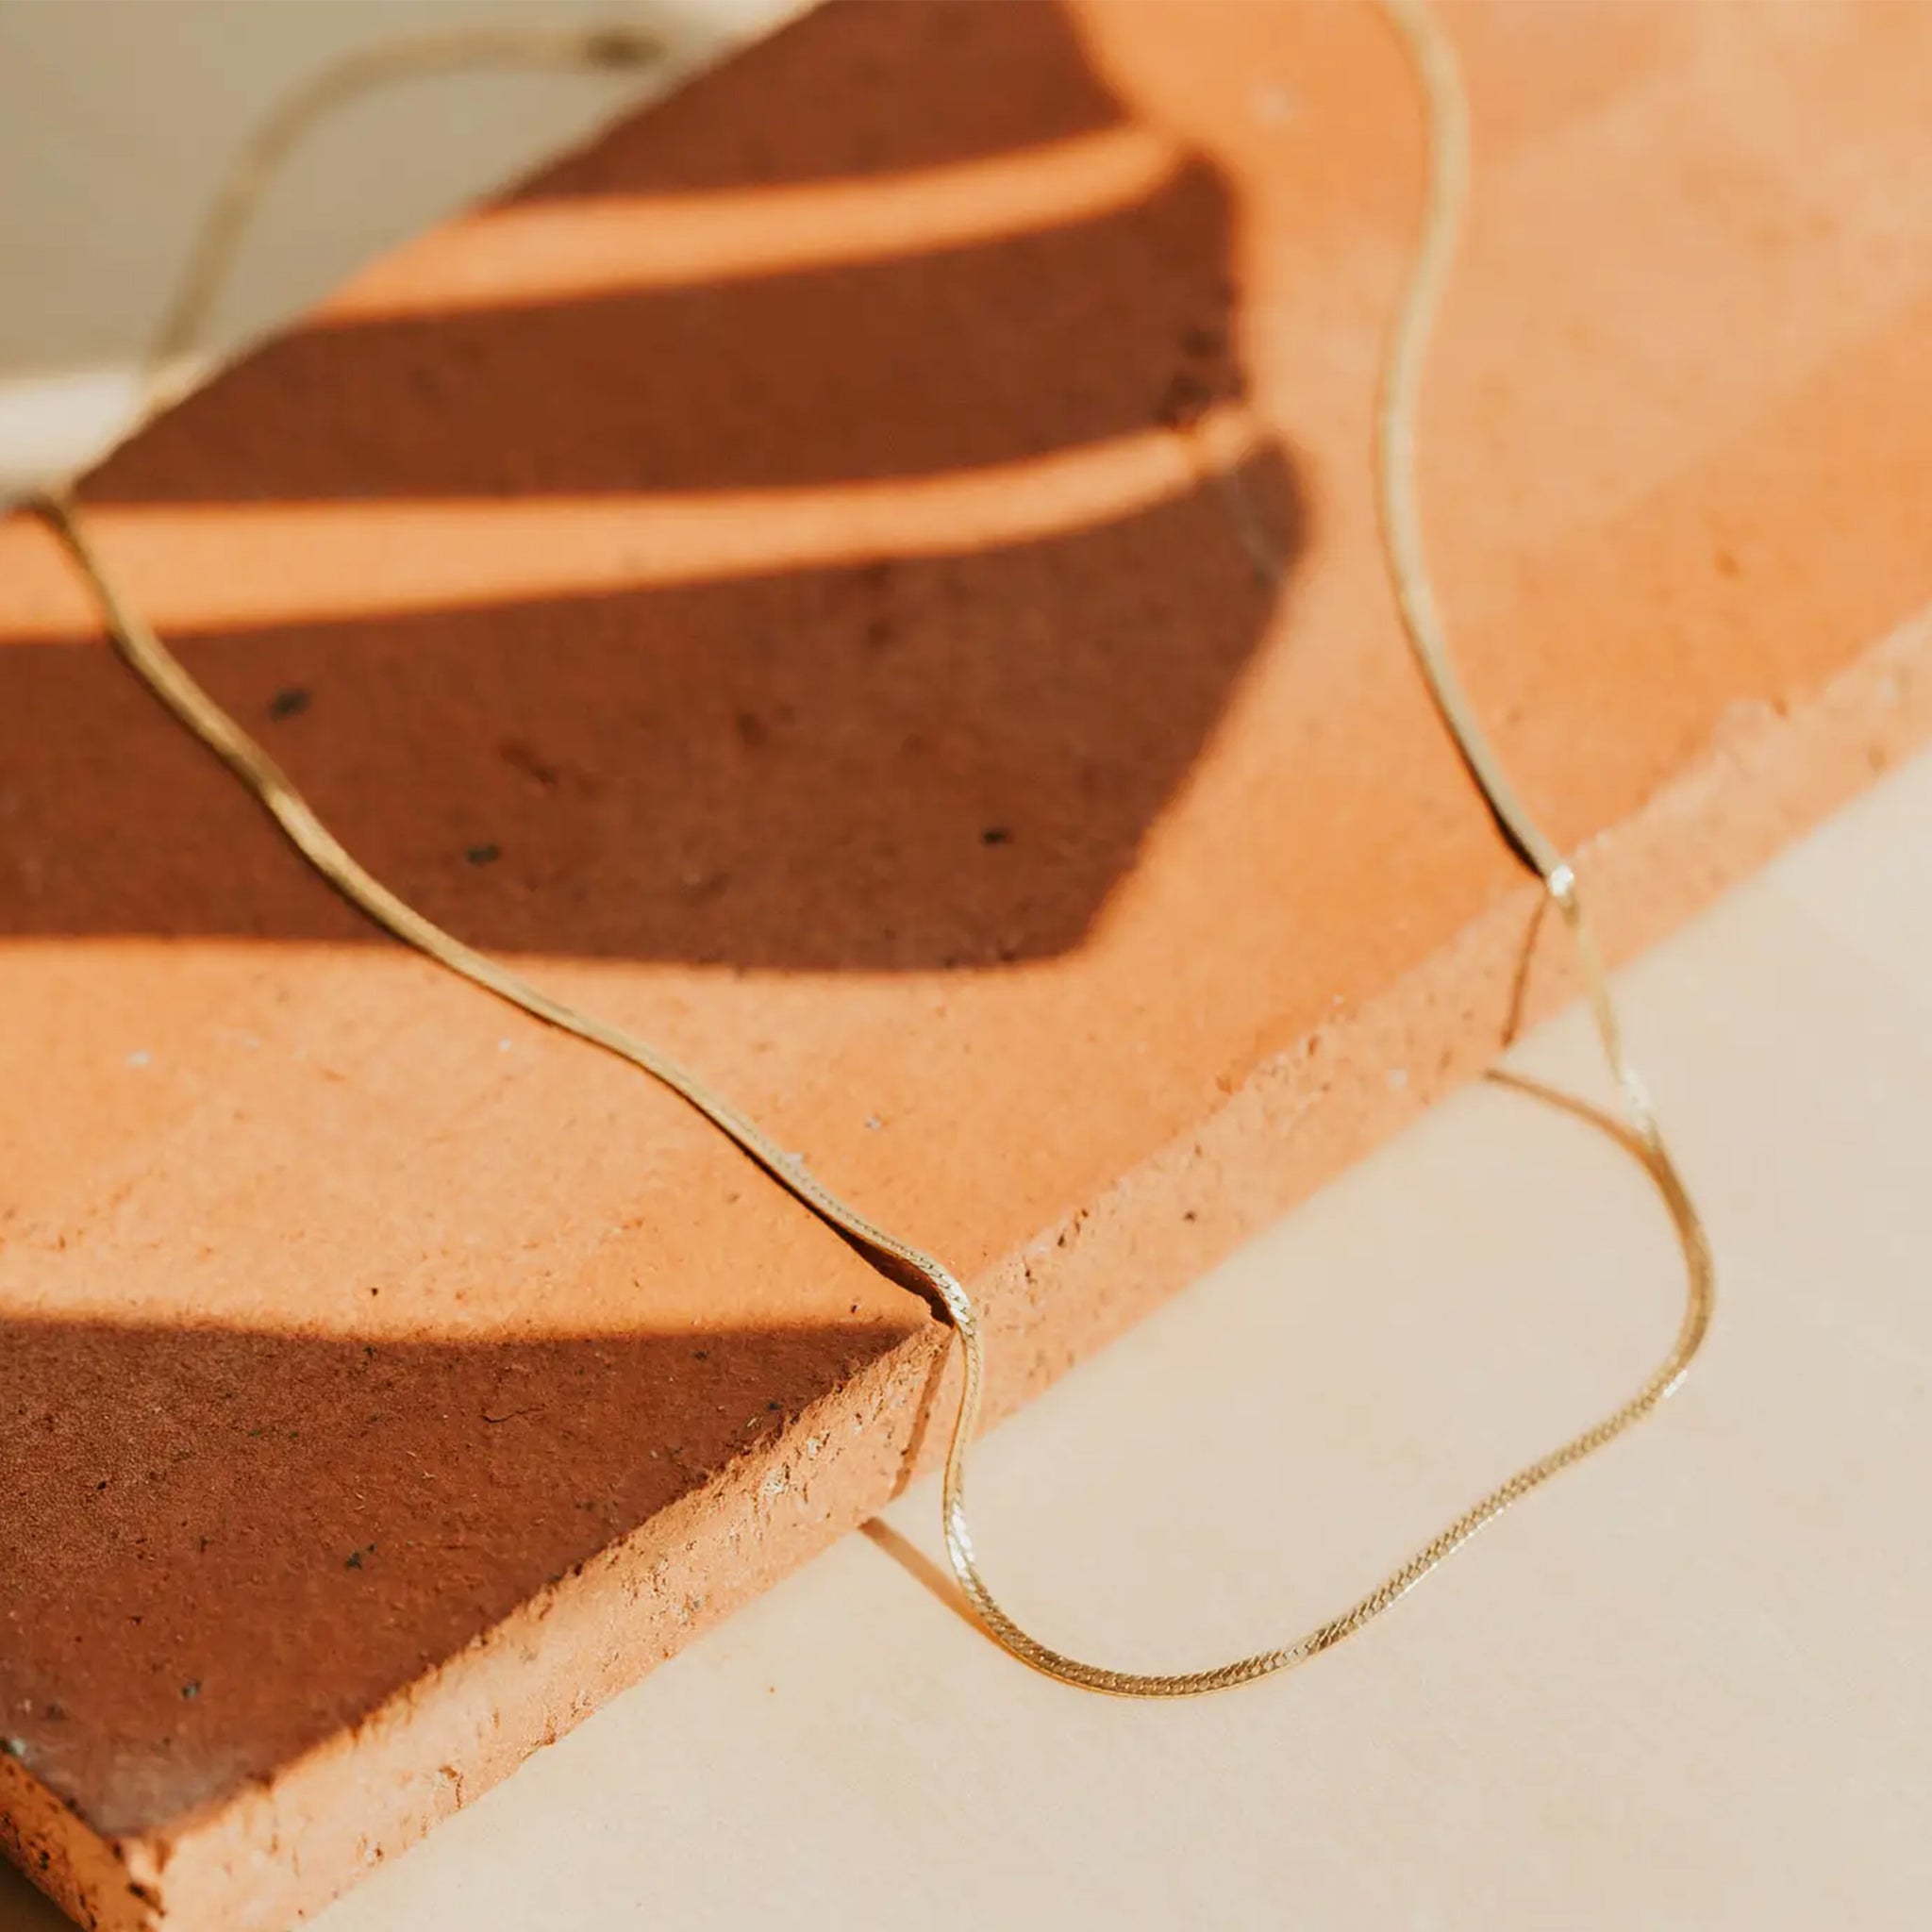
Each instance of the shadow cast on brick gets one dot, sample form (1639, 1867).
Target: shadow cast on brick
(886, 763)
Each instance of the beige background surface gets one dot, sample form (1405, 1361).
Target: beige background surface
(1686, 1687)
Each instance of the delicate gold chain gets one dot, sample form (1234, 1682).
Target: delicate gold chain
(145, 653)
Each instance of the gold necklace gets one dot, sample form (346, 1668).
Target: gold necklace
(1448, 177)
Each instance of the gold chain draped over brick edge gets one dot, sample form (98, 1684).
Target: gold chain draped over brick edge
(1447, 125)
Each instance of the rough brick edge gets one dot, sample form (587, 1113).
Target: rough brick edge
(261, 1861)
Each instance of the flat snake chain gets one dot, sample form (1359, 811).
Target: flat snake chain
(1447, 190)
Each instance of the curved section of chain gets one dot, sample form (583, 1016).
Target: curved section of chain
(157, 666)
(1447, 197)
(211, 255)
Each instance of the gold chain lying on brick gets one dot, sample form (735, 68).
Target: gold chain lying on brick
(163, 673)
